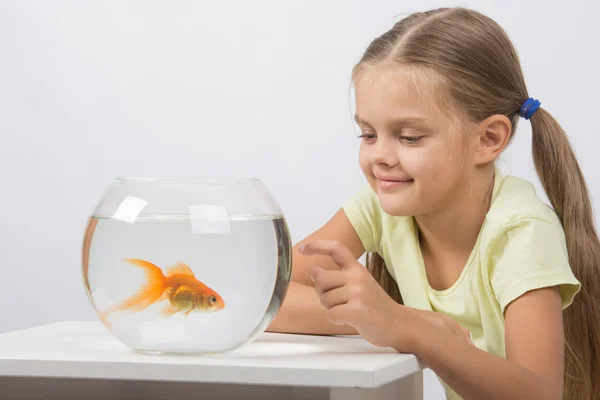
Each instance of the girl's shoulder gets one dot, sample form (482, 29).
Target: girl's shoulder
(515, 199)
(523, 245)
(519, 221)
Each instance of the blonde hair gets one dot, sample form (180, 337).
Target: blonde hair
(480, 69)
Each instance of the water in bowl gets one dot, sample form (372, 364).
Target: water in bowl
(244, 261)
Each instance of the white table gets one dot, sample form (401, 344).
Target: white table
(77, 360)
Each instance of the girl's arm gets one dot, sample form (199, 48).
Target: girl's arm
(533, 368)
(338, 228)
(533, 326)
(302, 312)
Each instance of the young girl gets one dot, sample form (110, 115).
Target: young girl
(466, 268)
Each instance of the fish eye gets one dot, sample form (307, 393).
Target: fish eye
(212, 299)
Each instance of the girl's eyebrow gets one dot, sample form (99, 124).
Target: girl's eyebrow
(358, 120)
(410, 121)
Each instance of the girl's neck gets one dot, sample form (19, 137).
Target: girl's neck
(455, 228)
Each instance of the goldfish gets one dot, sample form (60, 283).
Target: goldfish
(179, 286)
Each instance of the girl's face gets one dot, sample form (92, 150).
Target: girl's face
(414, 156)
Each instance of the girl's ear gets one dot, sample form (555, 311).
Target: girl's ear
(492, 137)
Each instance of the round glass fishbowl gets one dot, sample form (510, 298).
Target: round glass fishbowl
(184, 265)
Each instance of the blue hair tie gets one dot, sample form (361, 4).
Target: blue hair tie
(529, 107)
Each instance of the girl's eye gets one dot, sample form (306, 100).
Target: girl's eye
(411, 139)
(368, 136)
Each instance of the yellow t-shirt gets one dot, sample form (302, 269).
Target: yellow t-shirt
(521, 246)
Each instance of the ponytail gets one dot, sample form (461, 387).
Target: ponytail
(563, 182)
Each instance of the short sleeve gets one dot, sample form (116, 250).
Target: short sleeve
(364, 213)
(531, 254)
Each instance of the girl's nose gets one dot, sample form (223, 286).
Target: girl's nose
(384, 154)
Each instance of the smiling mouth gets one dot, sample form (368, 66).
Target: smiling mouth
(392, 183)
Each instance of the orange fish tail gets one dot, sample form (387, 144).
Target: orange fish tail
(150, 292)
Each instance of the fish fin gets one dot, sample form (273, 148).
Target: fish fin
(169, 310)
(150, 292)
(180, 268)
(188, 311)
(163, 297)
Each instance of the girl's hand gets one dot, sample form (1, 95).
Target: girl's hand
(352, 296)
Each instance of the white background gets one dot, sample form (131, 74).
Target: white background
(98, 89)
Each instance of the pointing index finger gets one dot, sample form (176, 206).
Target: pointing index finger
(338, 252)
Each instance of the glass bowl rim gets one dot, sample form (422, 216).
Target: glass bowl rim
(187, 179)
